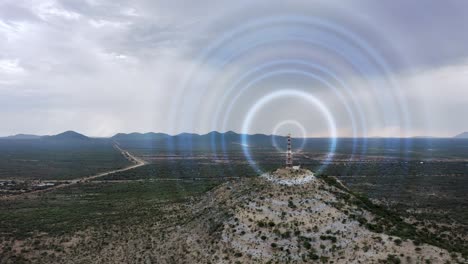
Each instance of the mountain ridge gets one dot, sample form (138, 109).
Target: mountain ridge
(462, 135)
(67, 135)
(22, 136)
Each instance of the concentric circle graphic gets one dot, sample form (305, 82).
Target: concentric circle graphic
(281, 147)
(308, 58)
(281, 94)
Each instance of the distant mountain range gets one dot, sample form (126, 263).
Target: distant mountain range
(140, 136)
(134, 136)
(195, 140)
(161, 139)
(462, 135)
(67, 135)
(151, 136)
(23, 136)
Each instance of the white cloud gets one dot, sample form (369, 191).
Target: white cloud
(106, 23)
(130, 12)
(50, 9)
(12, 31)
(10, 73)
(10, 67)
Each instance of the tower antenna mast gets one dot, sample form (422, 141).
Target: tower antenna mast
(289, 153)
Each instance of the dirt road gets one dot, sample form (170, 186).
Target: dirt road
(137, 162)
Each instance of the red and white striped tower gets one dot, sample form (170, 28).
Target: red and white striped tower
(289, 153)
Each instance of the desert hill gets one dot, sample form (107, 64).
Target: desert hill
(270, 219)
(288, 216)
(265, 220)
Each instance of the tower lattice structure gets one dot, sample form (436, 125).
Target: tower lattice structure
(289, 153)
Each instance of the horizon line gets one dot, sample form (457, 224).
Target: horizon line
(230, 131)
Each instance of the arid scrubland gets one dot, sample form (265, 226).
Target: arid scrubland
(251, 220)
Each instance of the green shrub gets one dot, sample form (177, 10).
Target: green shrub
(393, 259)
(397, 242)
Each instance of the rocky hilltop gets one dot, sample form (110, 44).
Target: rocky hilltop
(288, 216)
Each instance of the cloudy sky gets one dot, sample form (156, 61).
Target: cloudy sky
(313, 68)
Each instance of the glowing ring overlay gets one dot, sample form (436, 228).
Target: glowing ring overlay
(264, 76)
(281, 94)
(287, 122)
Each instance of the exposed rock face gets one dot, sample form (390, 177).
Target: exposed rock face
(290, 176)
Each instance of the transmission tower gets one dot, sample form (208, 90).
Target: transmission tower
(289, 153)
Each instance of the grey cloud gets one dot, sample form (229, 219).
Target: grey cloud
(14, 11)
